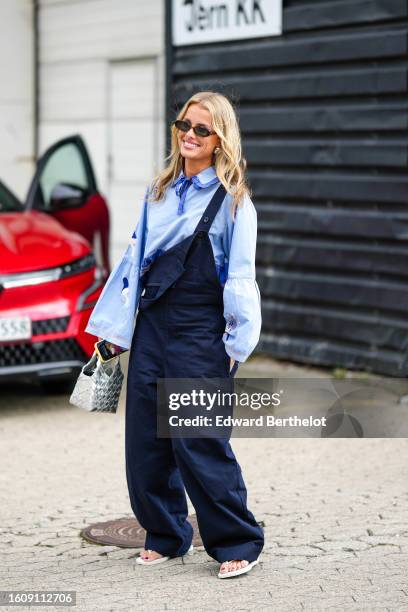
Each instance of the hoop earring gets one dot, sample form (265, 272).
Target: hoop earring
(216, 150)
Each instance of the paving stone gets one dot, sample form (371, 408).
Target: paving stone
(334, 513)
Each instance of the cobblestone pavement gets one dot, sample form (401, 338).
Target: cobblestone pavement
(335, 514)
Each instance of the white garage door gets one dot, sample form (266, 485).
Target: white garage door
(132, 143)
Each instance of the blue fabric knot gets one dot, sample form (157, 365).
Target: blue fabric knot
(183, 183)
(181, 186)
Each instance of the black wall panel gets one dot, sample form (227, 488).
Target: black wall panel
(323, 111)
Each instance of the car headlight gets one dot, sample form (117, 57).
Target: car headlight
(79, 265)
(51, 274)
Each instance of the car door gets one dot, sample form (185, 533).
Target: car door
(64, 187)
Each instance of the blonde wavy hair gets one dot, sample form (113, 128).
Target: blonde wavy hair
(230, 165)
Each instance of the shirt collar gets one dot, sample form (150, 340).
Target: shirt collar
(205, 177)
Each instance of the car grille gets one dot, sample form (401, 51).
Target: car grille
(41, 352)
(50, 326)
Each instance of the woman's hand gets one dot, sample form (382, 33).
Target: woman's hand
(115, 347)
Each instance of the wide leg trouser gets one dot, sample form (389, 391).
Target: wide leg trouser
(158, 469)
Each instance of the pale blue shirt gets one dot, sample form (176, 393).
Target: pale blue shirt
(167, 222)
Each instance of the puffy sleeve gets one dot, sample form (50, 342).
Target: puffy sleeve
(113, 315)
(242, 301)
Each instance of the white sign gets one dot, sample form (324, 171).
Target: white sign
(204, 21)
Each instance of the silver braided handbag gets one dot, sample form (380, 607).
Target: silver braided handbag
(98, 386)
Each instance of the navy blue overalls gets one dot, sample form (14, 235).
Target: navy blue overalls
(178, 334)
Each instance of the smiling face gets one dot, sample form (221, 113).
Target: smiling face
(197, 150)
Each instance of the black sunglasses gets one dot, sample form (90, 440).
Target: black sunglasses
(185, 126)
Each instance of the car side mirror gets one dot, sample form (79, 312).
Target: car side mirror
(65, 195)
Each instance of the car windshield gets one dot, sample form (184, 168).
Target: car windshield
(8, 201)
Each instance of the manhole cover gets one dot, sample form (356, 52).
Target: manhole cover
(126, 532)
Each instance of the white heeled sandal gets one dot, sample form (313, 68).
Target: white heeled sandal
(160, 559)
(237, 572)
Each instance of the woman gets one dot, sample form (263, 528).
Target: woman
(190, 271)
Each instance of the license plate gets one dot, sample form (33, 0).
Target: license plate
(15, 328)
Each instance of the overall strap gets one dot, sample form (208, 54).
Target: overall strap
(213, 207)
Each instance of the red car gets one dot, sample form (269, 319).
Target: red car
(54, 260)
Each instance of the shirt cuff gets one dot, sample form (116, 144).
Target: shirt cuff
(242, 313)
